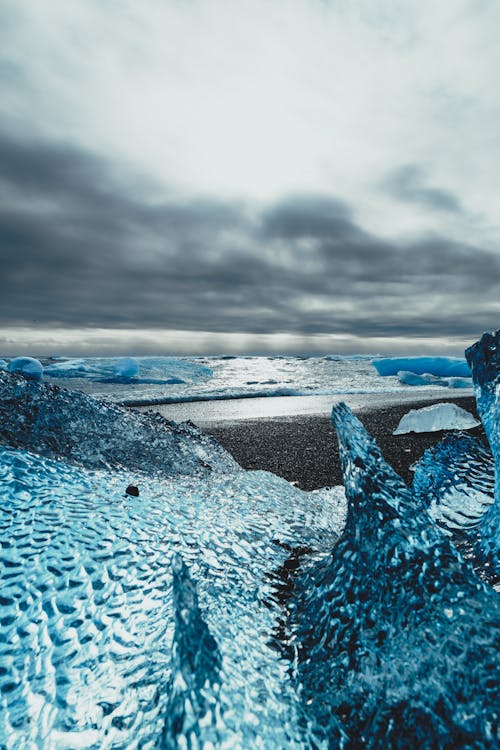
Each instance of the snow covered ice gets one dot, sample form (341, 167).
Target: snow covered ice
(436, 417)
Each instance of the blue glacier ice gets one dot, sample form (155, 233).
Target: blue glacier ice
(153, 370)
(218, 608)
(30, 367)
(58, 423)
(411, 378)
(455, 481)
(98, 586)
(458, 479)
(439, 366)
(396, 639)
(484, 360)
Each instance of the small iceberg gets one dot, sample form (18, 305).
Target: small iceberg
(412, 378)
(439, 366)
(29, 367)
(436, 418)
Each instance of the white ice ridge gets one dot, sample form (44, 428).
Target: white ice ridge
(436, 417)
(441, 366)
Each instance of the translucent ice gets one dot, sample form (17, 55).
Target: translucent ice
(59, 423)
(436, 417)
(395, 637)
(440, 366)
(30, 367)
(96, 635)
(454, 480)
(484, 360)
(411, 378)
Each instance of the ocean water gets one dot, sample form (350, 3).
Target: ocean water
(152, 380)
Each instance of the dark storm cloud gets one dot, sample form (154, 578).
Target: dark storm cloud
(408, 183)
(82, 245)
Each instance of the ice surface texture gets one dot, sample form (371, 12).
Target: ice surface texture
(484, 360)
(100, 642)
(435, 418)
(440, 366)
(396, 638)
(59, 423)
(455, 481)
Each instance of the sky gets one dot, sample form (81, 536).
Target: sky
(204, 176)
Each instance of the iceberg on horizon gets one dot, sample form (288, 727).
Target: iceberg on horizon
(29, 367)
(146, 370)
(439, 366)
(412, 378)
(435, 418)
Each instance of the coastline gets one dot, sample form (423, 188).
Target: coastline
(302, 447)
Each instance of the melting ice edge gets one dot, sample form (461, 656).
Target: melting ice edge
(228, 609)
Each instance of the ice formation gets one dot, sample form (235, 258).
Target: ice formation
(439, 366)
(67, 424)
(484, 360)
(98, 611)
(30, 367)
(435, 418)
(393, 633)
(156, 370)
(454, 480)
(218, 608)
(411, 378)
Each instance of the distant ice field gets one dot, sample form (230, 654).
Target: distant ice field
(175, 380)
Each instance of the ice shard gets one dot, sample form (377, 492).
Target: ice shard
(484, 360)
(396, 638)
(193, 713)
(58, 423)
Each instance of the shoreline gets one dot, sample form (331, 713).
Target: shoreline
(302, 448)
(210, 413)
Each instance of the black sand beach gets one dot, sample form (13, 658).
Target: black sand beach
(303, 448)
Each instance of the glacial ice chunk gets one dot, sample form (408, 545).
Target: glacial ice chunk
(439, 366)
(411, 378)
(103, 632)
(193, 715)
(484, 360)
(435, 418)
(29, 367)
(395, 637)
(455, 481)
(57, 423)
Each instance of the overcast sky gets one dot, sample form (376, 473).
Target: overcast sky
(265, 175)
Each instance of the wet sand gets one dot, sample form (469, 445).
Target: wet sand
(302, 448)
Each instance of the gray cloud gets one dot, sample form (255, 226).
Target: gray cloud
(82, 245)
(409, 183)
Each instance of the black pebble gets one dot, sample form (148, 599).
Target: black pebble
(132, 490)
